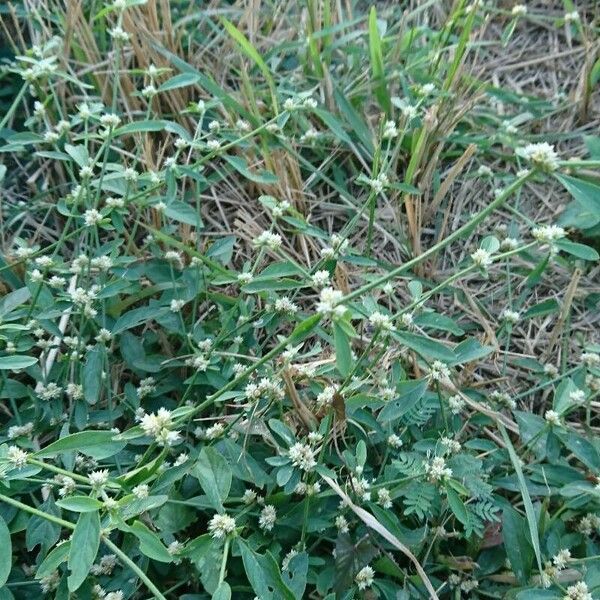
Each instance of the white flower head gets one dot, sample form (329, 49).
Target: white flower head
(268, 516)
(541, 155)
(482, 258)
(364, 578)
(221, 525)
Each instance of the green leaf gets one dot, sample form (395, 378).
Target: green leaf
(578, 250)
(469, 350)
(13, 300)
(92, 374)
(84, 548)
(97, 444)
(6, 553)
(264, 575)
(52, 561)
(241, 166)
(583, 449)
(150, 544)
(516, 543)
(79, 154)
(426, 347)
(377, 64)
(136, 317)
(139, 127)
(223, 592)
(214, 474)
(296, 573)
(15, 362)
(529, 512)
(457, 506)
(184, 213)
(587, 196)
(252, 53)
(547, 307)
(343, 353)
(79, 504)
(179, 81)
(409, 393)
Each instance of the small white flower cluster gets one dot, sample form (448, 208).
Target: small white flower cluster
(579, 591)
(285, 305)
(265, 388)
(482, 258)
(504, 399)
(384, 499)
(542, 155)
(572, 17)
(394, 441)
(450, 446)
(390, 130)
(16, 431)
(518, 10)
(50, 391)
(588, 524)
(105, 566)
(268, 239)
(361, 486)
(379, 183)
(146, 387)
(590, 359)
(485, 171)
(98, 479)
(321, 278)
(456, 404)
(325, 397)
(510, 316)
(302, 456)
(159, 426)
(380, 321)
(267, 518)
(329, 303)
(552, 417)
(436, 469)
(307, 489)
(221, 525)
(291, 104)
(364, 578)
(438, 371)
(548, 234)
(338, 245)
(342, 524)
(16, 457)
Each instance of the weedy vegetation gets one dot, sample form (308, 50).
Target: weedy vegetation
(299, 300)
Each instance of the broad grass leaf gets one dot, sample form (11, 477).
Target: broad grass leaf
(150, 544)
(516, 543)
(53, 559)
(84, 548)
(179, 81)
(6, 553)
(343, 353)
(97, 444)
(223, 592)
(15, 362)
(408, 394)
(425, 347)
(92, 374)
(264, 575)
(214, 474)
(13, 300)
(79, 504)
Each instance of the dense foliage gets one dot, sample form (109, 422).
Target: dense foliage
(276, 318)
